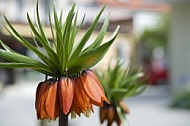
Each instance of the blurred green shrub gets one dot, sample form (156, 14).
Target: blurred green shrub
(182, 100)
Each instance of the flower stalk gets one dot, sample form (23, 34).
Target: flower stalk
(63, 119)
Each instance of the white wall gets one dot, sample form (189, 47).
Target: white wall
(180, 46)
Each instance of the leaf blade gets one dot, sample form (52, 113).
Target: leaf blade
(85, 38)
(90, 58)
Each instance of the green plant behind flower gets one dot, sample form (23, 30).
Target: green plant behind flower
(63, 56)
(120, 83)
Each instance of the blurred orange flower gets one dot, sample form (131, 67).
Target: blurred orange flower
(108, 112)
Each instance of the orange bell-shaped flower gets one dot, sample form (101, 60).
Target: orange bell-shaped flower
(66, 93)
(71, 95)
(108, 112)
(52, 101)
(93, 88)
(47, 104)
(81, 101)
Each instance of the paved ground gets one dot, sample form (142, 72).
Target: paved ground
(149, 109)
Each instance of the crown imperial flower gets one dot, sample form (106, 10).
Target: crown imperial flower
(72, 87)
(119, 83)
(75, 94)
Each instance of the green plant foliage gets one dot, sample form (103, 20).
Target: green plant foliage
(182, 100)
(120, 83)
(63, 56)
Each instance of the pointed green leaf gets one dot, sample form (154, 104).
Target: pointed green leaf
(66, 37)
(74, 30)
(91, 57)
(24, 65)
(101, 35)
(122, 116)
(39, 25)
(86, 37)
(6, 47)
(135, 90)
(19, 58)
(52, 55)
(25, 43)
(58, 31)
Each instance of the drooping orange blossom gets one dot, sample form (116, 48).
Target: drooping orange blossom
(75, 94)
(119, 82)
(47, 104)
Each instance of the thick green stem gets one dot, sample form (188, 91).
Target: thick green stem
(63, 119)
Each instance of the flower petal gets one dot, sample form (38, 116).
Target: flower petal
(80, 98)
(93, 88)
(103, 114)
(52, 102)
(92, 75)
(37, 101)
(41, 94)
(111, 115)
(66, 93)
(76, 109)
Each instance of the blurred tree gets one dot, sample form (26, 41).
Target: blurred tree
(152, 51)
(155, 37)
